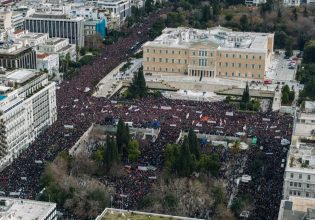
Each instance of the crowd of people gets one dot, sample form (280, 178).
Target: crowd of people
(76, 107)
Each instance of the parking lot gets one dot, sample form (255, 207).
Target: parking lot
(279, 70)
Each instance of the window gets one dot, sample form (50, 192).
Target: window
(166, 60)
(194, 53)
(160, 60)
(160, 69)
(185, 52)
(253, 57)
(290, 192)
(220, 64)
(147, 68)
(259, 66)
(226, 55)
(172, 70)
(211, 54)
(153, 59)
(239, 74)
(253, 66)
(240, 56)
(246, 57)
(173, 61)
(185, 61)
(206, 53)
(220, 54)
(258, 75)
(300, 176)
(166, 69)
(160, 51)
(179, 52)
(294, 193)
(178, 61)
(226, 64)
(246, 65)
(172, 51)
(166, 51)
(219, 73)
(300, 185)
(307, 185)
(154, 68)
(245, 74)
(226, 74)
(233, 74)
(148, 50)
(307, 194)
(291, 183)
(148, 59)
(239, 65)
(259, 57)
(299, 193)
(153, 50)
(233, 55)
(232, 64)
(308, 177)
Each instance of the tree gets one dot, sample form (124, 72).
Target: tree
(280, 39)
(138, 87)
(285, 98)
(111, 152)
(184, 164)
(194, 146)
(149, 6)
(246, 97)
(206, 14)
(295, 14)
(309, 52)
(133, 150)
(289, 47)
(120, 136)
(82, 51)
(244, 22)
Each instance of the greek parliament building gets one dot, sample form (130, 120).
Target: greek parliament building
(57, 25)
(215, 52)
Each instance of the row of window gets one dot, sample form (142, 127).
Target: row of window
(240, 75)
(179, 61)
(164, 69)
(298, 193)
(206, 53)
(166, 51)
(300, 176)
(239, 65)
(240, 56)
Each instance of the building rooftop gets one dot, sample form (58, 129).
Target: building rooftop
(54, 41)
(218, 37)
(24, 209)
(297, 208)
(56, 16)
(118, 214)
(309, 106)
(302, 157)
(21, 75)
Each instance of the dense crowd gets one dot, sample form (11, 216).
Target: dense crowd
(76, 107)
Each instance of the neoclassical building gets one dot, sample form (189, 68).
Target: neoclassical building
(215, 52)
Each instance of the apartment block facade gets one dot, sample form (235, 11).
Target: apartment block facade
(215, 52)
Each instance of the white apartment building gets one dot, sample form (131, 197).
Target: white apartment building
(297, 208)
(254, 2)
(29, 38)
(122, 8)
(291, 3)
(305, 123)
(27, 107)
(57, 25)
(49, 62)
(5, 19)
(22, 209)
(60, 46)
(299, 176)
(17, 20)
